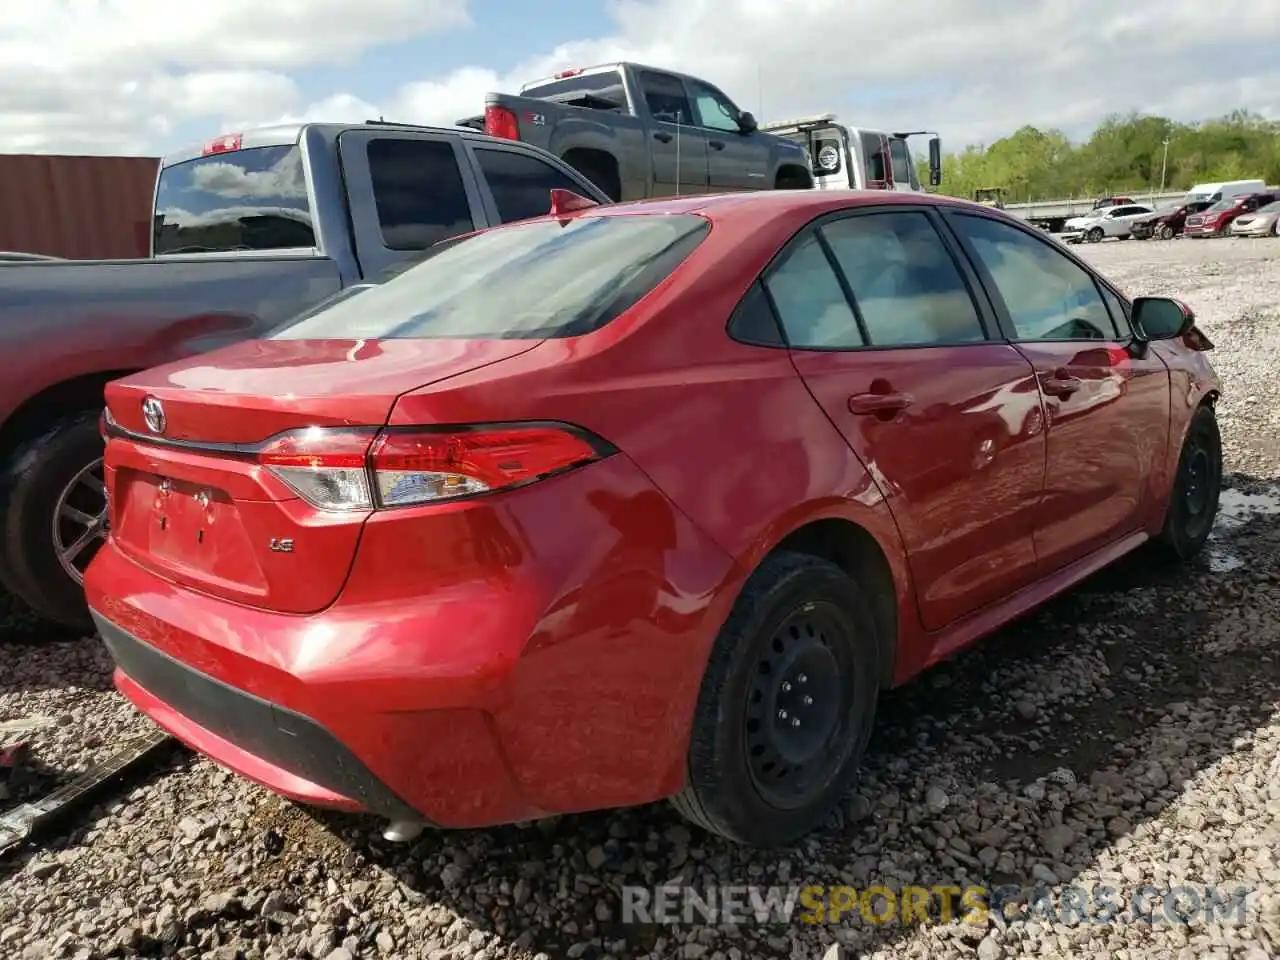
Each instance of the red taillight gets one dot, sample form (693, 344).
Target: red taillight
(565, 74)
(501, 122)
(363, 469)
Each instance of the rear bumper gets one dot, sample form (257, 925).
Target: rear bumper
(278, 748)
(483, 665)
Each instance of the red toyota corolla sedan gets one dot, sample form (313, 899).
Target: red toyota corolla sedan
(639, 501)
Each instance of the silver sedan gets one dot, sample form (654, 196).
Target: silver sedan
(1112, 222)
(1261, 223)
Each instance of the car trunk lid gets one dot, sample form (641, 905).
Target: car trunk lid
(192, 496)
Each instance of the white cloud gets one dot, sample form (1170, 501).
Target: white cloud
(119, 75)
(972, 69)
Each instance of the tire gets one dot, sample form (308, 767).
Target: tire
(800, 623)
(1165, 232)
(792, 183)
(1193, 499)
(1094, 235)
(34, 484)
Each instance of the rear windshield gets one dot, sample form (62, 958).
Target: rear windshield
(253, 199)
(523, 281)
(603, 85)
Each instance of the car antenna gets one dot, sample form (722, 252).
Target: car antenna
(679, 114)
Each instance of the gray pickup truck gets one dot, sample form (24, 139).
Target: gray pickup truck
(638, 132)
(250, 230)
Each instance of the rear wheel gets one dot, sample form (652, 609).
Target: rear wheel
(786, 704)
(1193, 501)
(54, 518)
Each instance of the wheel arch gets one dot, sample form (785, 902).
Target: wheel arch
(83, 392)
(854, 549)
(603, 160)
(792, 173)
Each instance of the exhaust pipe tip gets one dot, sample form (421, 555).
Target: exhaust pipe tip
(403, 831)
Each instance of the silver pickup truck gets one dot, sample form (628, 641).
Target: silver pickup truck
(638, 132)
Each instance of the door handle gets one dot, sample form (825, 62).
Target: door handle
(715, 144)
(879, 404)
(1060, 385)
(664, 137)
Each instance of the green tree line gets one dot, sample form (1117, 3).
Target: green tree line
(1124, 155)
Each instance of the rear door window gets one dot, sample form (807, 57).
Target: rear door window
(418, 189)
(665, 97)
(534, 280)
(904, 280)
(809, 301)
(253, 199)
(521, 184)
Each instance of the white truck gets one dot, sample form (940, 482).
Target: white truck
(855, 158)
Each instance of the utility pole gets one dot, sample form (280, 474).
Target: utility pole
(1164, 164)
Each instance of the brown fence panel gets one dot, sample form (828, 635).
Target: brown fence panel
(82, 208)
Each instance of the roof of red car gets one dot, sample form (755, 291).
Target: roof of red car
(768, 203)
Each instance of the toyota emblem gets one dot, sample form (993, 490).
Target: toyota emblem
(153, 414)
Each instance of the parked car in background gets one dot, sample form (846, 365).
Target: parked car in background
(1103, 202)
(1262, 223)
(1168, 222)
(637, 132)
(502, 537)
(1215, 221)
(1112, 222)
(1225, 190)
(248, 231)
(857, 158)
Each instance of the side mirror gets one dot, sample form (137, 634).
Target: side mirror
(1161, 318)
(747, 123)
(935, 161)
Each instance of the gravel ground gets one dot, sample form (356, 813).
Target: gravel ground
(1126, 735)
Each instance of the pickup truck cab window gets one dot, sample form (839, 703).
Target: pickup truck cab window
(665, 97)
(588, 85)
(521, 184)
(253, 199)
(419, 192)
(711, 109)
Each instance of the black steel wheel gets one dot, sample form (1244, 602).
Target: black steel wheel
(1193, 499)
(786, 704)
